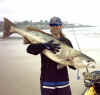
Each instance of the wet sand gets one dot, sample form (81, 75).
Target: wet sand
(20, 71)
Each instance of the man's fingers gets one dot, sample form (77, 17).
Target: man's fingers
(58, 47)
(57, 50)
(51, 41)
(57, 44)
(54, 52)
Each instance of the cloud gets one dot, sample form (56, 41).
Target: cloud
(1, 1)
(75, 11)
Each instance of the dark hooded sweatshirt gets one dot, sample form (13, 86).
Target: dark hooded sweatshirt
(49, 71)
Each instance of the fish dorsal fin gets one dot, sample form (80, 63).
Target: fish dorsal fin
(26, 41)
(31, 28)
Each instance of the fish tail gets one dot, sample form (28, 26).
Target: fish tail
(7, 27)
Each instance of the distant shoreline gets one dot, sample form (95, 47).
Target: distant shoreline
(44, 25)
(1, 30)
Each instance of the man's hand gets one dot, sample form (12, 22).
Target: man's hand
(52, 46)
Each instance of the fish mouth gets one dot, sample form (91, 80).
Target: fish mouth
(83, 63)
(91, 64)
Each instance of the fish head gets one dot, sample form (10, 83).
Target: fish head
(83, 61)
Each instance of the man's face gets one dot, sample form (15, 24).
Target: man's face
(56, 29)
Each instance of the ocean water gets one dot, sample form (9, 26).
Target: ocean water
(88, 37)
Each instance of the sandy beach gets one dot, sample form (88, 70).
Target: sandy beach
(20, 71)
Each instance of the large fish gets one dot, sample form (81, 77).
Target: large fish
(65, 56)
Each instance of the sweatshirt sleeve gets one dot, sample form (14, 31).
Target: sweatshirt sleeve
(66, 41)
(35, 49)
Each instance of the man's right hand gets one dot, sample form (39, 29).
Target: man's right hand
(52, 46)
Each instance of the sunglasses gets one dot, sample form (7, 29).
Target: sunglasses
(55, 25)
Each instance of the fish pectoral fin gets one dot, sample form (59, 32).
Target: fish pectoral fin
(72, 67)
(26, 41)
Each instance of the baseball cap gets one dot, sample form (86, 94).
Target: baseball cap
(55, 21)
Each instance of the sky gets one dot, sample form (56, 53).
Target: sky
(73, 11)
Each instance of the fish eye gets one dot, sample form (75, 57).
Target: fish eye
(88, 60)
(67, 59)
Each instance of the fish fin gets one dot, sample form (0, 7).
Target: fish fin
(72, 67)
(7, 27)
(26, 41)
(31, 28)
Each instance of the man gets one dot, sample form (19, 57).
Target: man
(53, 81)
